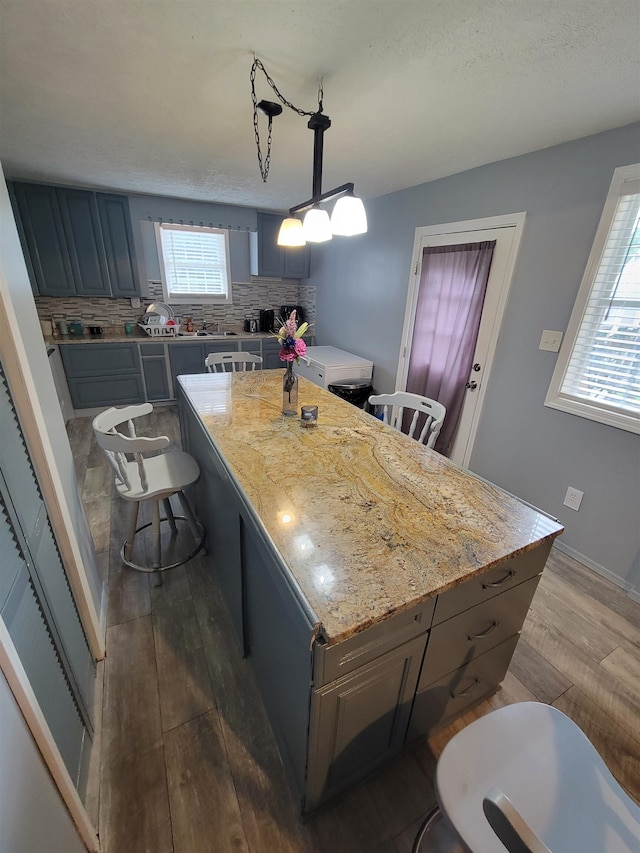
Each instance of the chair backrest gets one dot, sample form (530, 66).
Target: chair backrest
(393, 410)
(115, 444)
(216, 362)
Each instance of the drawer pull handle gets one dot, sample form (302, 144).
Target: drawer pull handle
(507, 577)
(484, 633)
(454, 695)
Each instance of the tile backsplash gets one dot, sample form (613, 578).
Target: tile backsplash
(248, 299)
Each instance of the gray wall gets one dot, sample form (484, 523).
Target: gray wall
(532, 451)
(32, 814)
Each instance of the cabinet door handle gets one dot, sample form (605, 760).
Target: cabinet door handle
(454, 695)
(484, 633)
(507, 577)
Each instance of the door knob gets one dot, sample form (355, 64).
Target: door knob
(472, 385)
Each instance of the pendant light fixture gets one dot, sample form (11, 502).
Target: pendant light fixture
(348, 217)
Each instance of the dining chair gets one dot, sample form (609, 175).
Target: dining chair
(526, 778)
(216, 362)
(393, 411)
(148, 478)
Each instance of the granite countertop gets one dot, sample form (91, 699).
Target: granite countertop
(367, 521)
(117, 335)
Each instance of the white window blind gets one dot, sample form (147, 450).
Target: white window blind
(195, 263)
(598, 370)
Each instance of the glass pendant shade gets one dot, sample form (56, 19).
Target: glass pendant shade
(291, 233)
(316, 226)
(349, 217)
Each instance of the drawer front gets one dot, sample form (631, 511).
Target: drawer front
(492, 582)
(449, 697)
(475, 631)
(106, 391)
(97, 359)
(151, 349)
(332, 662)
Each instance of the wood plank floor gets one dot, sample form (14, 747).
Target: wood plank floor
(188, 761)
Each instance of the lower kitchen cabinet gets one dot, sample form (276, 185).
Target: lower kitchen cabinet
(103, 374)
(360, 721)
(271, 354)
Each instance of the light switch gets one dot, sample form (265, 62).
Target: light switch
(550, 341)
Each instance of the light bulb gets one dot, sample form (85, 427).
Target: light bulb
(349, 217)
(316, 226)
(291, 233)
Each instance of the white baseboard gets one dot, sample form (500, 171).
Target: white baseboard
(599, 570)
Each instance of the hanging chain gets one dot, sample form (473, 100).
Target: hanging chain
(264, 167)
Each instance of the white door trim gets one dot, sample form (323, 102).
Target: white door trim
(514, 221)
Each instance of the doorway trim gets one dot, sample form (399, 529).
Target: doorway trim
(475, 228)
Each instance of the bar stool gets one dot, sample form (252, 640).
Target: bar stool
(155, 478)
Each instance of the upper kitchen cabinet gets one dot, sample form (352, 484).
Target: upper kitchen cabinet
(77, 242)
(273, 261)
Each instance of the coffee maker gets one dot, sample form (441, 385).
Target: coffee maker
(267, 321)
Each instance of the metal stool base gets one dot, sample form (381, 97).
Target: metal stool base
(138, 568)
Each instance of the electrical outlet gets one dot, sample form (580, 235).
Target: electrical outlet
(573, 498)
(550, 341)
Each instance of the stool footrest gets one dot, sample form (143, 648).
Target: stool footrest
(151, 570)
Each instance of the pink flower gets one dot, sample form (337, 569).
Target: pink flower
(287, 354)
(300, 347)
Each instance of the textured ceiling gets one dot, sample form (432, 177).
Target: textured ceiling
(153, 96)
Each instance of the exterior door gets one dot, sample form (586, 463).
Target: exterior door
(506, 231)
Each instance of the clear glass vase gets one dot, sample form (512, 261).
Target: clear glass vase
(290, 392)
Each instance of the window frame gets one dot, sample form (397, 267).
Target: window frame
(604, 413)
(193, 298)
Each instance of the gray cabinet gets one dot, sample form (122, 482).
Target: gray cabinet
(154, 369)
(273, 261)
(186, 358)
(271, 355)
(76, 242)
(44, 240)
(81, 222)
(103, 374)
(360, 721)
(476, 626)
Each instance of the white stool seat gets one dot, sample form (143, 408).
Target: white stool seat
(166, 474)
(148, 478)
(527, 778)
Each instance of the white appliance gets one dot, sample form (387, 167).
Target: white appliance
(324, 365)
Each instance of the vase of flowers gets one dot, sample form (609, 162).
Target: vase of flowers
(291, 348)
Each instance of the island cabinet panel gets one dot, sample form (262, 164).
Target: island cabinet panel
(218, 509)
(360, 721)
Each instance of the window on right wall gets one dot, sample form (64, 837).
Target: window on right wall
(597, 374)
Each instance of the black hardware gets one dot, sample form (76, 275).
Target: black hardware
(476, 367)
(472, 385)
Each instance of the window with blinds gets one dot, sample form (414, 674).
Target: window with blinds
(194, 263)
(598, 370)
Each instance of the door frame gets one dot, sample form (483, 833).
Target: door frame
(475, 228)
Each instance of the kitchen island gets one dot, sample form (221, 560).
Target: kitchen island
(377, 588)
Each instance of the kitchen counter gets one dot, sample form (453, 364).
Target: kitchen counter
(385, 522)
(377, 589)
(139, 337)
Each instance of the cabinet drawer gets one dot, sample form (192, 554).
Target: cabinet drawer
(449, 697)
(151, 349)
(475, 631)
(332, 662)
(106, 391)
(94, 360)
(492, 582)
